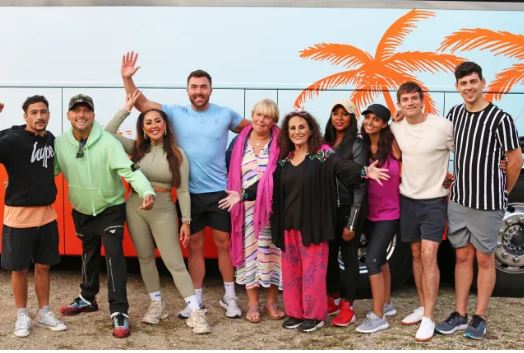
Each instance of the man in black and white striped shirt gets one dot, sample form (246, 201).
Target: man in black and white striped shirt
(483, 135)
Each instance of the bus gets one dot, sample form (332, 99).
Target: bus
(302, 54)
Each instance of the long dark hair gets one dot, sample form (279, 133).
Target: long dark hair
(313, 142)
(385, 144)
(143, 145)
(350, 134)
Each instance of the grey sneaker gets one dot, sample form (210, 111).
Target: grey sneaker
(22, 325)
(455, 322)
(155, 312)
(372, 323)
(231, 306)
(389, 310)
(476, 328)
(198, 322)
(186, 312)
(49, 320)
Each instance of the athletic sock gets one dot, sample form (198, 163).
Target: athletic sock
(198, 293)
(192, 302)
(155, 296)
(230, 289)
(22, 311)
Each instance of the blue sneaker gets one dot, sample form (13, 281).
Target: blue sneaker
(476, 328)
(120, 325)
(455, 322)
(79, 305)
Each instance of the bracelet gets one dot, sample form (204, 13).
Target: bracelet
(364, 172)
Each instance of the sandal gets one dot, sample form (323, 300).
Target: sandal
(253, 313)
(273, 311)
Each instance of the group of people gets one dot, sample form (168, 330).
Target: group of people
(281, 207)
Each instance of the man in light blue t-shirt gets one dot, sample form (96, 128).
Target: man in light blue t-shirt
(201, 130)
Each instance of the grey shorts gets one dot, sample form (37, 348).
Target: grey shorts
(422, 219)
(478, 227)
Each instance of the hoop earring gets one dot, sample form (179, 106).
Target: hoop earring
(145, 136)
(165, 132)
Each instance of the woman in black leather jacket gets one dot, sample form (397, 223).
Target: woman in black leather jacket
(342, 135)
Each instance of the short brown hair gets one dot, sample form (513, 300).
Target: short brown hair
(409, 87)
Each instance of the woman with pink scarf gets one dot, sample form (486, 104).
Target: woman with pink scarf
(250, 180)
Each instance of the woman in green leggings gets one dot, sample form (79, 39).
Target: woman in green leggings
(165, 165)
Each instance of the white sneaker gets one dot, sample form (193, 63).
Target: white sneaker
(155, 312)
(22, 325)
(186, 312)
(425, 331)
(198, 321)
(231, 306)
(414, 318)
(389, 309)
(49, 320)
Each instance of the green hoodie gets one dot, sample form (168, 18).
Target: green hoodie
(94, 179)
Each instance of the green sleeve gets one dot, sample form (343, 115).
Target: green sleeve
(182, 191)
(126, 169)
(112, 128)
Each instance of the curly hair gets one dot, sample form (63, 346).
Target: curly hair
(313, 142)
(143, 145)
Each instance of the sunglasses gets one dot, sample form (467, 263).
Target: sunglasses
(80, 153)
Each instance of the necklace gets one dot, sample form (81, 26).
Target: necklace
(261, 142)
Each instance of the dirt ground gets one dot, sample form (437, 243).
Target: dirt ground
(93, 330)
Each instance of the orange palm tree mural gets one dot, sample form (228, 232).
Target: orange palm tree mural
(497, 42)
(387, 69)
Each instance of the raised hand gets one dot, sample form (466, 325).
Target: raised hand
(229, 201)
(131, 99)
(129, 68)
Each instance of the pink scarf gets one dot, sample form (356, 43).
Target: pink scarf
(264, 193)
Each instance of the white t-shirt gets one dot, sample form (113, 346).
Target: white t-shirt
(425, 151)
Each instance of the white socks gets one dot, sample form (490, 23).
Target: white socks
(192, 302)
(230, 289)
(155, 296)
(198, 293)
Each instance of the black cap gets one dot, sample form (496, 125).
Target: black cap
(81, 99)
(379, 110)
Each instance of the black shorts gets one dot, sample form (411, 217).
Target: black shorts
(205, 212)
(422, 219)
(23, 246)
(379, 235)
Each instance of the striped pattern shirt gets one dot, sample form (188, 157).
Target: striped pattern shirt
(481, 140)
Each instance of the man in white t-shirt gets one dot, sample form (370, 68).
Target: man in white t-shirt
(425, 142)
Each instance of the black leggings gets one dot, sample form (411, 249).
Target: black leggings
(379, 235)
(337, 280)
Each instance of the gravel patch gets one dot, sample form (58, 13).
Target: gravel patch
(93, 330)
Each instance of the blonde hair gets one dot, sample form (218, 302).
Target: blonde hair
(266, 107)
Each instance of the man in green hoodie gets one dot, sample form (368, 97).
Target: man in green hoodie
(92, 162)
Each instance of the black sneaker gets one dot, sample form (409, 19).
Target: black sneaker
(79, 305)
(310, 325)
(476, 329)
(455, 322)
(291, 323)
